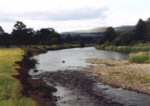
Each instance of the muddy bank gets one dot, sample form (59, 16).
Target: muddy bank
(82, 84)
(121, 73)
(36, 89)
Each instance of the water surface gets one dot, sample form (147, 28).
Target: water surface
(74, 58)
(78, 88)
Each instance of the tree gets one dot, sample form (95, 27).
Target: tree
(147, 32)
(68, 38)
(5, 39)
(48, 36)
(19, 33)
(19, 26)
(82, 43)
(109, 34)
(140, 30)
(126, 38)
(1, 30)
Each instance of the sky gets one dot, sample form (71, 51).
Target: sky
(70, 15)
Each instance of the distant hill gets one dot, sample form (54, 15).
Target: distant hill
(97, 31)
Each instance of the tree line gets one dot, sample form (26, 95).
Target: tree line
(141, 34)
(21, 35)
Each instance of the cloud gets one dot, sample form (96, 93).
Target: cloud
(80, 14)
(68, 15)
(76, 14)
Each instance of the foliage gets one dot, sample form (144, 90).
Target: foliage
(125, 38)
(140, 30)
(109, 34)
(21, 35)
(82, 44)
(139, 34)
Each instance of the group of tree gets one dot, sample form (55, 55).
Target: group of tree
(21, 35)
(141, 34)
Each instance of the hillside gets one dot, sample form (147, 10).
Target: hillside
(97, 31)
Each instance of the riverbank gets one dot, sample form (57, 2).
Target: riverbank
(38, 90)
(37, 49)
(121, 73)
(35, 89)
(16, 86)
(10, 87)
(129, 49)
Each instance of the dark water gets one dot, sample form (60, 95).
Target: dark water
(78, 88)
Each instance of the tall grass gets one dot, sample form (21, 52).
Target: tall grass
(135, 48)
(43, 48)
(141, 57)
(10, 87)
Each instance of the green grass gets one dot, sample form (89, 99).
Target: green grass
(141, 57)
(35, 49)
(10, 87)
(138, 53)
(133, 48)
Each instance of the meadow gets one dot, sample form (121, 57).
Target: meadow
(10, 87)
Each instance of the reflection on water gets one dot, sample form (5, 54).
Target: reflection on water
(74, 58)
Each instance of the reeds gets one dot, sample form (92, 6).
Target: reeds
(141, 57)
(135, 48)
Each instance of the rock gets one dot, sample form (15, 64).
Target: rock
(35, 71)
(63, 61)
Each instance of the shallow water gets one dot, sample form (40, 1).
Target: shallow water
(74, 58)
(78, 88)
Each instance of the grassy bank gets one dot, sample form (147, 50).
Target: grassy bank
(140, 57)
(133, 48)
(10, 87)
(36, 49)
(138, 53)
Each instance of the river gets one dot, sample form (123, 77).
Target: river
(65, 69)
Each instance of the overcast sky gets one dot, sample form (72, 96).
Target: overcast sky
(68, 15)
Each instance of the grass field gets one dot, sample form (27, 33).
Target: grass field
(10, 87)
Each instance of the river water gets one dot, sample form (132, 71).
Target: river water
(66, 70)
